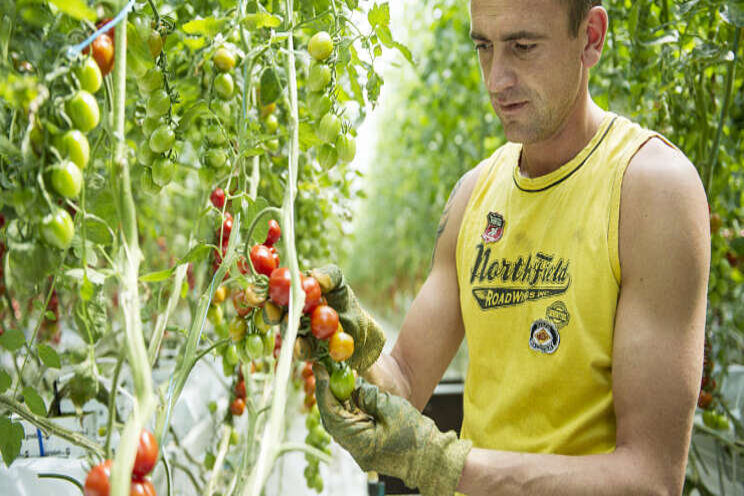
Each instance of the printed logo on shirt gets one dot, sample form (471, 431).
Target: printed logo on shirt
(558, 314)
(494, 228)
(544, 337)
(505, 283)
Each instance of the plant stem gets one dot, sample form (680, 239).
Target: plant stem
(724, 109)
(50, 427)
(67, 478)
(157, 335)
(112, 404)
(221, 453)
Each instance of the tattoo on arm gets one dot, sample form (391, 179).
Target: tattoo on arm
(444, 219)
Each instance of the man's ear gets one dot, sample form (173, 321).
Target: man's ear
(595, 33)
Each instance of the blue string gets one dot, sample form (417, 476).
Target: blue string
(74, 51)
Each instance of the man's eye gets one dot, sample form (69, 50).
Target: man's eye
(482, 46)
(521, 47)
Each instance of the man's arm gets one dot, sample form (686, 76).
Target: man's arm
(658, 346)
(432, 330)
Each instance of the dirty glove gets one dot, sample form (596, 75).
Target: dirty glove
(386, 434)
(368, 335)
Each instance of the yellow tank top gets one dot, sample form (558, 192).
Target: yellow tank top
(539, 274)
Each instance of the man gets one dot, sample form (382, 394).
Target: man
(575, 261)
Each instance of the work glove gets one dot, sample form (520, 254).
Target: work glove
(386, 434)
(368, 335)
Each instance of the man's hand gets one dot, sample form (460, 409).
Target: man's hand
(386, 434)
(368, 336)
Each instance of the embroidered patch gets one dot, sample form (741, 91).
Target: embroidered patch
(558, 314)
(495, 228)
(544, 336)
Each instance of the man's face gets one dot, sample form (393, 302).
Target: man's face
(531, 64)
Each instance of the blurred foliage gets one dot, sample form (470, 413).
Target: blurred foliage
(667, 65)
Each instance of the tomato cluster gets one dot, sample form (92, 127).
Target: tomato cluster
(97, 482)
(338, 143)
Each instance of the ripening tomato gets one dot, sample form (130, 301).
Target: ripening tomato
(57, 229)
(274, 233)
(341, 346)
(323, 322)
(279, 283)
(237, 407)
(224, 59)
(103, 53)
(262, 260)
(158, 103)
(320, 46)
(346, 147)
(224, 86)
(142, 487)
(155, 43)
(219, 295)
(237, 328)
(307, 369)
(272, 314)
(342, 383)
(705, 399)
(89, 75)
(240, 389)
(309, 385)
(163, 170)
(74, 145)
(330, 128)
(67, 180)
(147, 454)
(218, 198)
(312, 294)
(261, 325)
(319, 77)
(83, 111)
(162, 139)
(97, 482)
(102, 22)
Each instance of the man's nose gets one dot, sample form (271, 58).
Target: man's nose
(501, 76)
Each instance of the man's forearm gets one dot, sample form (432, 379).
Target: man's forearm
(387, 375)
(488, 472)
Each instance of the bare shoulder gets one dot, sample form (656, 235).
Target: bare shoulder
(663, 203)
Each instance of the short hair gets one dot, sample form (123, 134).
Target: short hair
(577, 11)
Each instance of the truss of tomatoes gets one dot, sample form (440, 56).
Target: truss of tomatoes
(97, 482)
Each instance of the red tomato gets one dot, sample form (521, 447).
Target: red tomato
(279, 284)
(218, 198)
(226, 226)
(262, 260)
(103, 22)
(312, 294)
(237, 407)
(142, 487)
(274, 234)
(147, 454)
(275, 254)
(310, 385)
(97, 482)
(103, 53)
(324, 322)
(307, 370)
(240, 390)
(243, 265)
(242, 307)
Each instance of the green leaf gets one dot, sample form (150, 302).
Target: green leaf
(735, 14)
(308, 138)
(11, 435)
(34, 401)
(208, 27)
(8, 149)
(379, 15)
(48, 356)
(404, 51)
(5, 381)
(12, 340)
(75, 8)
(86, 289)
(157, 276)
(271, 86)
(260, 20)
(196, 254)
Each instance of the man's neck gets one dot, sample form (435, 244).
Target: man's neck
(581, 125)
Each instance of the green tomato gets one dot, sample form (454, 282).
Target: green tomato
(215, 135)
(346, 147)
(271, 123)
(268, 343)
(254, 347)
(215, 315)
(228, 369)
(329, 128)
(147, 184)
(83, 111)
(57, 229)
(155, 43)
(162, 139)
(320, 46)
(311, 421)
(224, 59)
(222, 330)
(215, 158)
(74, 145)
(231, 355)
(89, 75)
(224, 86)
(342, 383)
(319, 77)
(150, 124)
(223, 111)
(158, 104)
(151, 81)
(327, 156)
(234, 437)
(145, 156)
(209, 460)
(212, 406)
(163, 170)
(319, 104)
(67, 180)
(273, 145)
